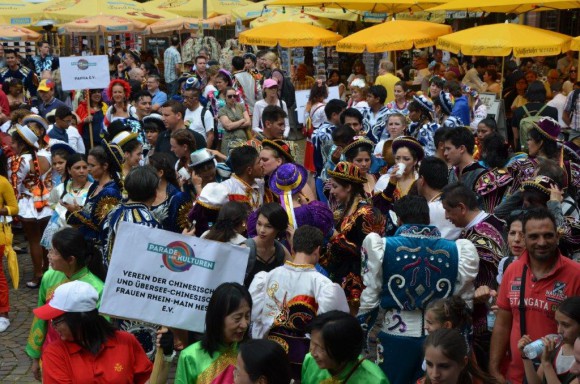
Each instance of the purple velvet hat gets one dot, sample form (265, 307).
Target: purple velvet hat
(549, 128)
(288, 177)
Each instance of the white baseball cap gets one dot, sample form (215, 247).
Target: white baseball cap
(76, 296)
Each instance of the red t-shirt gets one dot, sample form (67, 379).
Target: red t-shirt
(122, 360)
(542, 298)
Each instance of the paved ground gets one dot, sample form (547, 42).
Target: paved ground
(14, 363)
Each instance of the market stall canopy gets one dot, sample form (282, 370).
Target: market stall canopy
(506, 6)
(503, 39)
(289, 35)
(188, 24)
(294, 16)
(194, 8)
(264, 8)
(19, 12)
(69, 10)
(102, 24)
(394, 35)
(16, 33)
(377, 6)
(575, 44)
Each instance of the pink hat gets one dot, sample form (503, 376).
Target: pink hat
(270, 83)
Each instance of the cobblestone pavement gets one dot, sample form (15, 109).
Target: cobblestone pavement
(14, 363)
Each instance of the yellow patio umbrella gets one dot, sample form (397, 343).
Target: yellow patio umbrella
(293, 15)
(69, 10)
(194, 8)
(16, 33)
(575, 46)
(187, 23)
(506, 6)
(376, 6)
(503, 39)
(19, 12)
(289, 35)
(394, 35)
(263, 8)
(102, 24)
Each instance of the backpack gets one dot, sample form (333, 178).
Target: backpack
(528, 123)
(204, 110)
(287, 93)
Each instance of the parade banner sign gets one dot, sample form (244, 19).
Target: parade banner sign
(167, 278)
(84, 72)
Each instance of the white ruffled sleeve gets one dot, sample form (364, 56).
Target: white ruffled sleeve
(373, 250)
(258, 292)
(466, 271)
(330, 297)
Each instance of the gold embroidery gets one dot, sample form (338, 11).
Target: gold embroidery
(218, 366)
(118, 367)
(182, 212)
(104, 206)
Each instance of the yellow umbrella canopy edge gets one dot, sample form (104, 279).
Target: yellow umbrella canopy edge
(102, 23)
(17, 33)
(69, 10)
(187, 23)
(296, 17)
(393, 35)
(194, 8)
(506, 6)
(19, 12)
(375, 6)
(575, 46)
(289, 35)
(503, 39)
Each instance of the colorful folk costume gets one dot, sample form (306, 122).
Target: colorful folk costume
(424, 130)
(197, 366)
(387, 189)
(286, 183)
(172, 212)
(485, 232)
(342, 260)
(402, 275)
(97, 206)
(286, 300)
(491, 186)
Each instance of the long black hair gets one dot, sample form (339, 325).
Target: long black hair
(113, 169)
(225, 300)
(265, 358)
(495, 150)
(163, 162)
(89, 329)
(276, 215)
(232, 214)
(70, 242)
(549, 148)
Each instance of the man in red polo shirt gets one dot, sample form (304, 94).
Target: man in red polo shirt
(547, 279)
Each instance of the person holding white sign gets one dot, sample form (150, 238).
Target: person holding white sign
(226, 324)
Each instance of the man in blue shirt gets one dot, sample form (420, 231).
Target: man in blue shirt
(158, 97)
(461, 107)
(47, 100)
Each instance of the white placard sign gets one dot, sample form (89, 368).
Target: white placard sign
(302, 100)
(167, 278)
(84, 72)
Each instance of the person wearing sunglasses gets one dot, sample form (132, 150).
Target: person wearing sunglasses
(234, 119)
(89, 348)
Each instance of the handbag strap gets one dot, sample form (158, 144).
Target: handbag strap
(522, 304)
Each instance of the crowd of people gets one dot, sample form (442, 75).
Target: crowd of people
(413, 242)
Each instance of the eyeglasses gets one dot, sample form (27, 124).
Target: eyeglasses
(57, 321)
(573, 70)
(230, 96)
